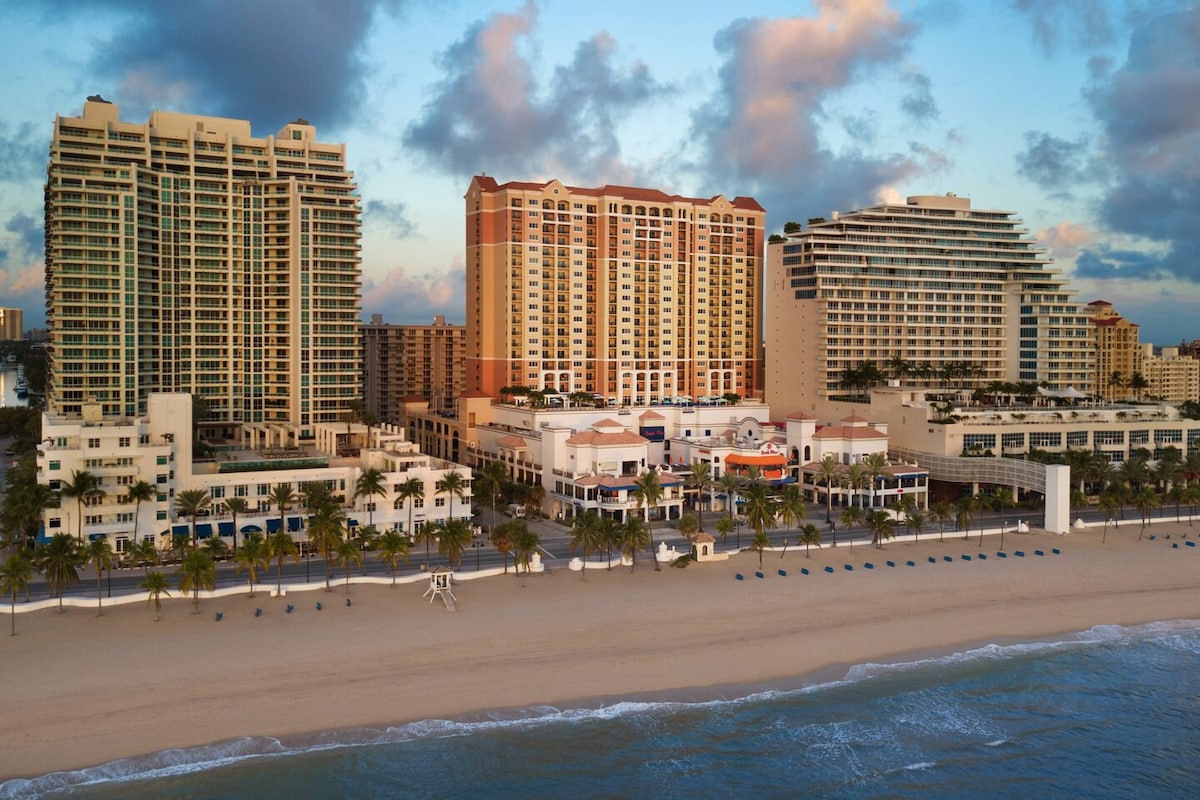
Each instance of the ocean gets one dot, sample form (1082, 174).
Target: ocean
(1108, 713)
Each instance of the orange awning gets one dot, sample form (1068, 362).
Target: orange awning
(767, 460)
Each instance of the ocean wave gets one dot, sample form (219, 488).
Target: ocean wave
(1182, 635)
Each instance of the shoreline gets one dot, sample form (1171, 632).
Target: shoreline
(392, 659)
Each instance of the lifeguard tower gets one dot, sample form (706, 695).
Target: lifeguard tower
(439, 586)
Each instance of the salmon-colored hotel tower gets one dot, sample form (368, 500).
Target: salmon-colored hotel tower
(631, 294)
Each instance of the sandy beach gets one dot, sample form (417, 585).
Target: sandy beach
(81, 690)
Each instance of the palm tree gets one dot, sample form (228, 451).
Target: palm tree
(689, 526)
(809, 535)
(491, 479)
(140, 492)
(700, 479)
(851, 516)
(730, 483)
(370, 484)
(453, 485)
(941, 512)
(58, 560)
(586, 528)
(392, 547)
(1138, 382)
(634, 537)
(760, 543)
(82, 486)
(349, 555)
(790, 507)
(1144, 500)
(881, 525)
(760, 511)
(648, 493)
(410, 492)
(189, 503)
(502, 539)
(526, 543)
(854, 480)
(156, 584)
(15, 574)
(145, 553)
(195, 573)
(876, 465)
(915, 520)
(325, 534)
(455, 538)
(1192, 497)
(279, 545)
(968, 507)
(235, 506)
(216, 548)
(1110, 503)
(724, 528)
(283, 497)
(252, 558)
(99, 554)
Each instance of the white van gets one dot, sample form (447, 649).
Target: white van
(516, 510)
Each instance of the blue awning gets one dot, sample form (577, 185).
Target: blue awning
(273, 525)
(180, 530)
(203, 530)
(225, 528)
(251, 529)
(293, 523)
(95, 536)
(353, 523)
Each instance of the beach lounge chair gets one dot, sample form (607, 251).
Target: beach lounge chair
(258, 612)
(220, 616)
(783, 573)
(740, 576)
(290, 608)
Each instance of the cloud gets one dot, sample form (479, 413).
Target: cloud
(1103, 262)
(1066, 239)
(22, 151)
(268, 61)
(29, 232)
(919, 103)
(389, 215)
(1055, 164)
(761, 132)
(490, 113)
(1085, 23)
(414, 299)
(1150, 124)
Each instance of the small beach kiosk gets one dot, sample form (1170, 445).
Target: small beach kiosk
(704, 548)
(440, 579)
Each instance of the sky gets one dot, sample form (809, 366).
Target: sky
(1081, 116)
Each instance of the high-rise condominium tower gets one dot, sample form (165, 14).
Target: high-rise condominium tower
(632, 294)
(185, 255)
(947, 294)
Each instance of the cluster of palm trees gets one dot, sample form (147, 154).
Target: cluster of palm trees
(854, 477)
(867, 374)
(1139, 482)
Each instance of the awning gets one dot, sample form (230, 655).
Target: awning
(225, 528)
(353, 523)
(273, 526)
(203, 530)
(180, 530)
(762, 460)
(251, 529)
(293, 523)
(92, 537)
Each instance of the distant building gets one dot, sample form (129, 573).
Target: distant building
(631, 294)
(12, 324)
(405, 361)
(1171, 377)
(185, 254)
(931, 292)
(1118, 354)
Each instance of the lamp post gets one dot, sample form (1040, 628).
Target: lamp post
(477, 546)
(737, 525)
(1003, 525)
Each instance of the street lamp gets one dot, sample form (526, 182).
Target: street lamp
(477, 546)
(737, 525)
(1003, 525)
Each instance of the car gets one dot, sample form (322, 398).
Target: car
(9, 452)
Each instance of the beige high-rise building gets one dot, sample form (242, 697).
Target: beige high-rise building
(958, 296)
(1170, 376)
(12, 324)
(406, 361)
(1118, 354)
(186, 255)
(631, 294)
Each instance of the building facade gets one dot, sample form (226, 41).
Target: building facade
(12, 324)
(1170, 376)
(186, 255)
(954, 295)
(630, 294)
(1118, 354)
(404, 361)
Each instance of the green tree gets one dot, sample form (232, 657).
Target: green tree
(15, 575)
(82, 487)
(760, 543)
(236, 506)
(941, 512)
(143, 554)
(99, 554)
(759, 509)
(701, 479)
(349, 555)
(252, 557)
(492, 479)
(809, 535)
(138, 493)
(881, 525)
(525, 544)
(634, 537)
(586, 536)
(855, 479)
(915, 520)
(452, 485)
(790, 507)
(410, 492)
(851, 515)
(325, 533)
(279, 545)
(195, 573)
(1139, 384)
(689, 526)
(58, 560)
(370, 484)
(392, 547)
(1144, 500)
(189, 503)
(648, 493)
(876, 467)
(724, 528)
(730, 484)
(502, 538)
(216, 548)
(1110, 503)
(283, 497)
(454, 537)
(156, 584)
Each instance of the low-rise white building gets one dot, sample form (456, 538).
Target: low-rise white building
(157, 449)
